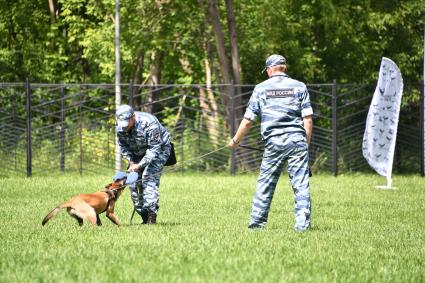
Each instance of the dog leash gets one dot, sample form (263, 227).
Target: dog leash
(250, 147)
(174, 168)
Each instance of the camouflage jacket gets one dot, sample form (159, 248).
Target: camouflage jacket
(281, 102)
(145, 140)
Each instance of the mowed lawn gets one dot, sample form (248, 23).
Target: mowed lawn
(359, 234)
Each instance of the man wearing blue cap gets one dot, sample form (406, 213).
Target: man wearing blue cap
(284, 107)
(145, 143)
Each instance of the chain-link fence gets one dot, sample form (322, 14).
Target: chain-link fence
(49, 128)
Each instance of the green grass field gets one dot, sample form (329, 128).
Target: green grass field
(359, 234)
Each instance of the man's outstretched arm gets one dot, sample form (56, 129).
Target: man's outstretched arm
(244, 127)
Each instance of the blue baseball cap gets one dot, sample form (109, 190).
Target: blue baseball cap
(274, 60)
(123, 114)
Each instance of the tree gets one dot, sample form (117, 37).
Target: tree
(231, 22)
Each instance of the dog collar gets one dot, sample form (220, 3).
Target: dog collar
(111, 193)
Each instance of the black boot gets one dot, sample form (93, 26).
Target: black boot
(144, 216)
(151, 218)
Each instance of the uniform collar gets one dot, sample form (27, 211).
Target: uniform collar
(279, 75)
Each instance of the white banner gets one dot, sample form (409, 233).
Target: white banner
(382, 120)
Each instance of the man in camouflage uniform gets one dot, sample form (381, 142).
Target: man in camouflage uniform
(145, 143)
(286, 125)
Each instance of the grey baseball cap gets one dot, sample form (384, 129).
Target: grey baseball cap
(274, 60)
(123, 114)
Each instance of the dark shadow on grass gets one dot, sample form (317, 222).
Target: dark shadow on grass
(161, 223)
(313, 228)
(170, 223)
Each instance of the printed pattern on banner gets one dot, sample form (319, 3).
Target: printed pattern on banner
(382, 119)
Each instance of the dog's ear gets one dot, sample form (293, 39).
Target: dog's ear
(118, 183)
(108, 186)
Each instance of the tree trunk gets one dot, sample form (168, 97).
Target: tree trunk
(213, 18)
(151, 105)
(244, 156)
(231, 23)
(52, 9)
(208, 103)
(137, 77)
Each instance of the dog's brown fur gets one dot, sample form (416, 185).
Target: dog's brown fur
(89, 206)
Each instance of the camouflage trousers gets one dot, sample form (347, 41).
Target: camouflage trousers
(292, 148)
(145, 193)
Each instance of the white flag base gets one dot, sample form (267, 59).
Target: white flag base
(388, 186)
(385, 187)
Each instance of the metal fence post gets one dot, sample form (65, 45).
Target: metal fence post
(80, 108)
(62, 131)
(232, 127)
(334, 130)
(15, 125)
(422, 127)
(182, 145)
(29, 129)
(199, 142)
(131, 94)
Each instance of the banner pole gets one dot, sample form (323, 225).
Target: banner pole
(389, 182)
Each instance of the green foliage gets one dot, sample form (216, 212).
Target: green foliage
(322, 40)
(360, 234)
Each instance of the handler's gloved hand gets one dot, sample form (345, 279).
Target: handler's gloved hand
(132, 178)
(118, 176)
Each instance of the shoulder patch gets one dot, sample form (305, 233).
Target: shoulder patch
(278, 93)
(155, 136)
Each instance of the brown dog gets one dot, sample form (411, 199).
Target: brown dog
(89, 206)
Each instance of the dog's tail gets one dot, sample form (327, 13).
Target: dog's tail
(51, 214)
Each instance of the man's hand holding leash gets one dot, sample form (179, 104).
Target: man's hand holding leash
(233, 144)
(244, 127)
